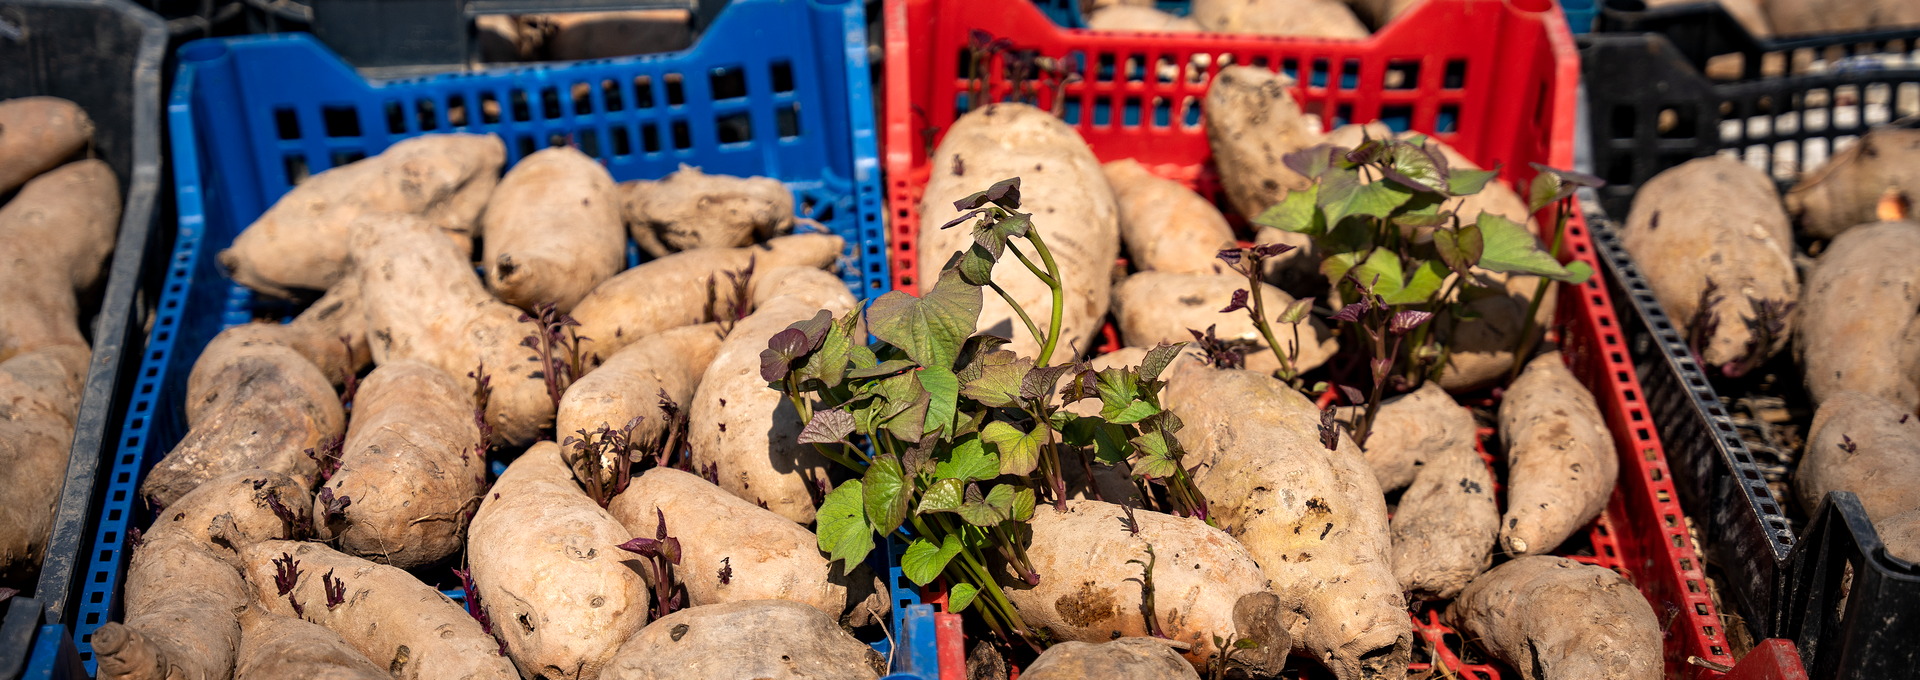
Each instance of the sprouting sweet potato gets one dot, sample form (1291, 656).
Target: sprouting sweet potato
(691, 209)
(552, 230)
(1071, 205)
(1495, 197)
(424, 302)
(1128, 658)
(600, 35)
(386, 614)
(274, 647)
(54, 239)
(1306, 18)
(749, 639)
(1138, 18)
(1901, 534)
(732, 550)
(1447, 522)
(1561, 465)
(184, 584)
(747, 430)
(1713, 241)
(1166, 227)
(301, 242)
(1252, 123)
(1859, 329)
(1864, 444)
(548, 567)
(687, 288)
(412, 466)
(1089, 591)
(1155, 307)
(1310, 513)
(639, 382)
(1553, 618)
(37, 134)
(1482, 348)
(1843, 193)
(39, 399)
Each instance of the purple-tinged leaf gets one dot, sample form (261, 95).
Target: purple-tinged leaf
(1351, 312)
(1238, 302)
(726, 570)
(286, 573)
(831, 426)
(1405, 322)
(1314, 161)
(642, 546)
(1382, 367)
(336, 589)
(1329, 430)
(1230, 255)
(1271, 250)
(1352, 394)
(782, 349)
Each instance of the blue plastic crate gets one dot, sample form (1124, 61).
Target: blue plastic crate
(1580, 14)
(776, 88)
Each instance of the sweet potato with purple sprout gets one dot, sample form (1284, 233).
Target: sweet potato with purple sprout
(1859, 330)
(548, 568)
(1552, 618)
(552, 230)
(748, 639)
(39, 399)
(636, 386)
(38, 134)
(691, 209)
(1155, 307)
(300, 243)
(55, 236)
(386, 614)
(274, 647)
(687, 288)
(1253, 122)
(1561, 465)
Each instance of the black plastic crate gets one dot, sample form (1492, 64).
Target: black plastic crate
(1853, 604)
(105, 56)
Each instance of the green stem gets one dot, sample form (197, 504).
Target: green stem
(1017, 309)
(1524, 344)
(1260, 321)
(1059, 300)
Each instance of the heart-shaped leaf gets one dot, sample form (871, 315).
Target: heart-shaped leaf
(1019, 451)
(884, 494)
(961, 595)
(924, 559)
(929, 329)
(1460, 249)
(969, 460)
(827, 427)
(842, 525)
(944, 495)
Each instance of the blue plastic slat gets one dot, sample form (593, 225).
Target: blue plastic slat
(805, 117)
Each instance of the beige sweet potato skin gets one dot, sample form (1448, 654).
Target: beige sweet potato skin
(1483, 347)
(1307, 18)
(37, 134)
(1314, 518)
(553, 230)
(1166, 227)
(1901, 534)
(1155, 307)
(423, 302)
(547, 563)
(1715, 221)
(1139, 18)
(749, 430)
(1858, 329)
(387, 615)
(774, 639)
(691, 209)
(331, 334)
(1085, 594)
(39, 398)
(1842, 194)
(665, 365)
(1561, 464)
(234, 510)
(1881, 466)
(1071, 204)
(413, 464)
(1802, 17)
(273, 647)
(1128, 658)
(673, 291)
(1446, 524)
(1252, 123)
(1552, 618)
(54, 239)
(769, 556)
(260, 405)
(301, 241)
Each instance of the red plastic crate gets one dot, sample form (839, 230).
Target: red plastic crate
(1496, 80)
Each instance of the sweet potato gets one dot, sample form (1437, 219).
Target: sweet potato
(1313, 516)
(1482, 348)
(1166, 227)
(331, 334)
(1519, 611)
(183, 582)
(751, 639)
(54, 239)
(633, 384)
(386, 614)
(1088, 590)
(1305, 18)
(1561, 465)
(38, 134)
(1252, 123)
(548, 567)
(1128, 658)
(502, 38)
(600, 35)
(748, 430)
(553, 230)
(301, 241)
(413, 465)
(1843, 193)
(39, 399)
(684, 289)
(766, 556)
(1865, 444)
(1713, 241)
(1859, 329)
(1138, 18)
(1378, 13)
(252, 403)
(1901, 534)
(691, 209)
(1447, 522)
(423, 302)
(273, 647)
(1069, 199)
(1155, 307)
(1804, 17)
